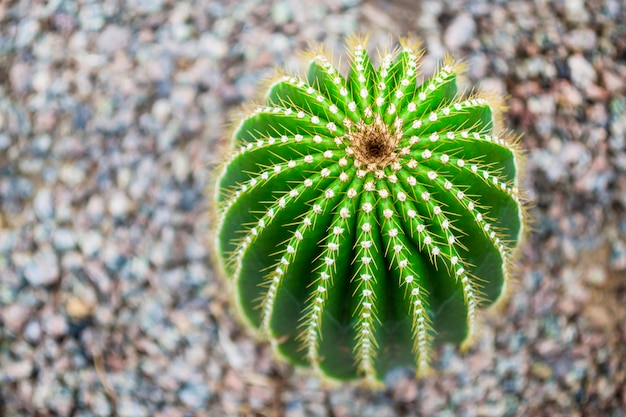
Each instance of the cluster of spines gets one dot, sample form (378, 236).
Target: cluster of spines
(367, 200)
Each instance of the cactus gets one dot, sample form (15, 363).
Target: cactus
(363, 220)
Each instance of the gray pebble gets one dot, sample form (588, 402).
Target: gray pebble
(44, 204)
(64, 239)
(130, 407)
(26, 32)
(575, 11)
(5, 141)
(146, 6)
(95, 208)
(91, 17)
(14, 316)
(582, 72)
(72, 174)
(195, 396)
(461, 30)
(119, 205)
(100, 405)
(16, 370)
(90, 242)
(43, 269)
(55, 325)
(281, 13)
(181, 166)
(61, 401)
(113, 38)
(32, 331)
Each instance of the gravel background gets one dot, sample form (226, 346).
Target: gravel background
(109, 114)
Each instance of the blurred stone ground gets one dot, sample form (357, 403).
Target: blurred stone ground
(109, 114)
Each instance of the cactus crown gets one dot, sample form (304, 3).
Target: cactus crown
(363, 220)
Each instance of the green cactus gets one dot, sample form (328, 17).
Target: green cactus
(364, 220)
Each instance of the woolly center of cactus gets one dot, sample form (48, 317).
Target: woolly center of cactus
(373, 145)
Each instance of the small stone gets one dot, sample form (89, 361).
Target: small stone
(78, 308)
(90, 242)
(14, 316)
(72, 260)
(161, 110)
(575, 11)
(5, 141)
(62, 402)
(95, 208)
(541, 370)
(596, 275)
(460, 32)
(64, 239)
(41, 145)
(100, 404)
(600, 316)
(119, 205)
(181, 166)
(43, 269)
(493, 86)
(27, 30)
(281, 13)
(195, 396)
(113, 38)
(14, 371)
(32, 331)
(183, 96)
(50, 48)
(617, 259)
(582, 72)
(91, 17)
(44, 204)
(582, 39)
(55, 325)
(146, 6)
(20, 76)
(72, 174)
(613, 82)
(128, 407)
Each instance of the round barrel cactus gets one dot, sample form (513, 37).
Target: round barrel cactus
(364, 219)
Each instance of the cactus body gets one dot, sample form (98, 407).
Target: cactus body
(363, 220)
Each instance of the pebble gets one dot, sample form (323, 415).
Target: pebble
(582, 72)
(459, 32)
(32, 331)
(91, 17)
(90, 242)
(43, 204)
(128, 407)
(64, 240)
(27, 32)
(575, 11)
(55, 325)
(195, 396)
(100, 404)
(17, 370)
(113, 38)
(72, 174)
(78, 308)
(43, 269)
(119, 205)
(14, 316)
(181, 166)
(5, 141)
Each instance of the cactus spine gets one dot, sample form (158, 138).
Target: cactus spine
(363, 220)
